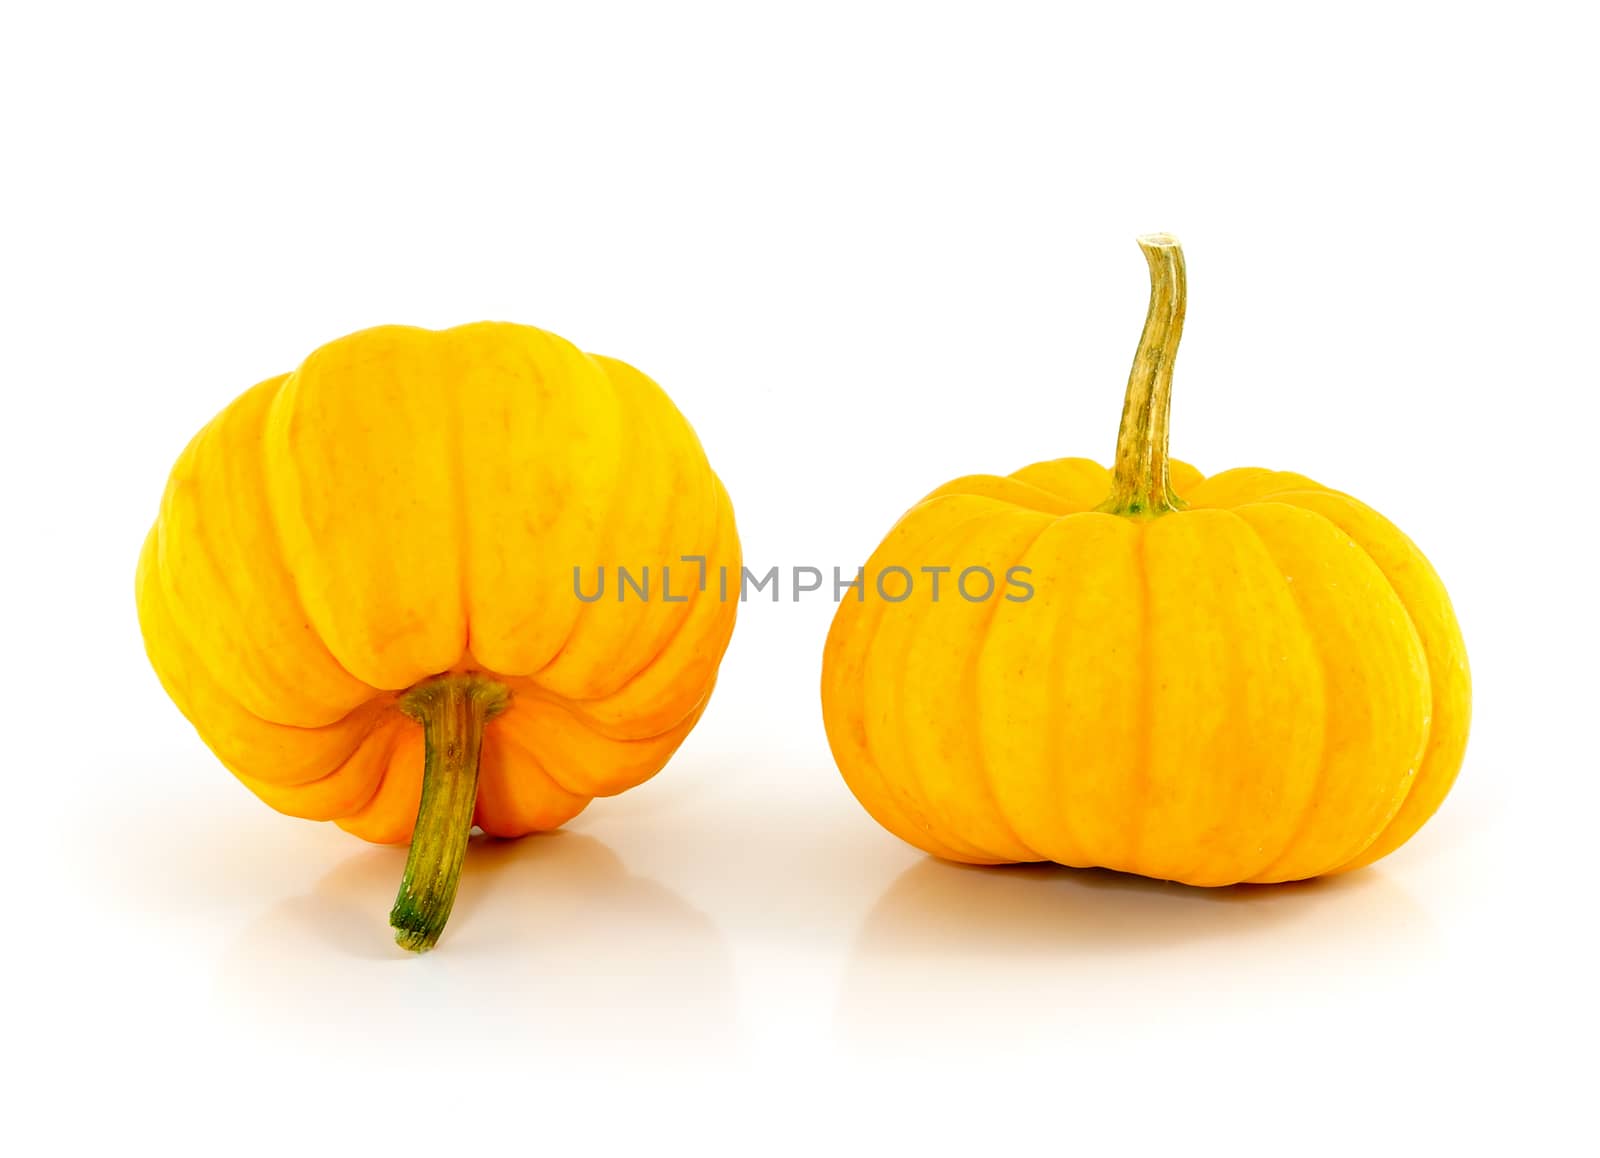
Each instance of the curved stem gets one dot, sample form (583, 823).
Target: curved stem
(452, 711)
(1139, 484)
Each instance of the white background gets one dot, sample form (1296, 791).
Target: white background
(866, 248)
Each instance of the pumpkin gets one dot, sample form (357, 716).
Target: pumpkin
(1246, 677)
(363, 589)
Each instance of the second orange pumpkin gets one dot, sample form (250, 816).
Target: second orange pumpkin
(1248, 677)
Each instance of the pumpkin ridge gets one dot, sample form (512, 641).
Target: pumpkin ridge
(682, 729)
(685, 616)
(1038, 474)
(1227, 746)
(1279, 498)
(985, 777)
(258, 446)
(864, 766)
(380, 821)
(578, 707)
(356, 447)
(198, 658)
(1054, 678)
(575, 709)
(865, 776)
(166, 577)
(204, 546)
(1058, 662)
(1434, 692)
(981, 747)
(646, 394)
(1045, 674)
(485, 812)
(899, 726)
(601, 730)
(1427, 662)
(372, 725)
(1308, 810)
(628, 451)
(1050, 504)
(285, 797)
(195, 661)
(606, 524)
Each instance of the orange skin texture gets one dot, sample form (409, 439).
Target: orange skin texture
(412, 502)
(1267, 686)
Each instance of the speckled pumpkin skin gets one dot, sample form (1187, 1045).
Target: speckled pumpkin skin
(412, 502)
(1266, 686)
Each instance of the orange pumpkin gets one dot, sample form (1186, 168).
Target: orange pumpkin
(388, 537)
(1247, 677)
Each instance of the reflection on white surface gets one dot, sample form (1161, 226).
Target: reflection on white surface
(740, 926)
(626, 930)
(552, 941)
(1011, 953)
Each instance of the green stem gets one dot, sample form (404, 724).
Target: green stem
(452, 710)
(1139, 484)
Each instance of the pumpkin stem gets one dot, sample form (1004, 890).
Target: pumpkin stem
(452, 711)
(1139, 483)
